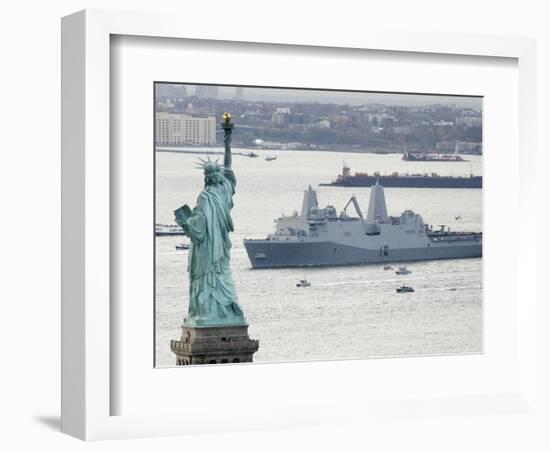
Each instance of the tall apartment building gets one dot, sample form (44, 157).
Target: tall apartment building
(182, 129)
(281, 116)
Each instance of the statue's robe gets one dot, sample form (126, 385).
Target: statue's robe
(212, 294)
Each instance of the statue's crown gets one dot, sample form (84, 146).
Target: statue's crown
(209, 166)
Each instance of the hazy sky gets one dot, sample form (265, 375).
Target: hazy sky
(342, 97)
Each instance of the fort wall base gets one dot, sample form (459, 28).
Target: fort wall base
(214, 345)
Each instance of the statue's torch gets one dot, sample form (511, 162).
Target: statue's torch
(227, 130)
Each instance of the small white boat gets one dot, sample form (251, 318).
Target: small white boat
(303, 283)
(388, 267)
(270, 158)
(404, 288)
(168, 230)
(183, 246)
(402, 271)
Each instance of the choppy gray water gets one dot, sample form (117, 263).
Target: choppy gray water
(348, 312)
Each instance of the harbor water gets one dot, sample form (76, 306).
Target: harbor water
(347, 312)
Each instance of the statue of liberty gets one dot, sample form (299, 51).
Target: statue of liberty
(212, 294)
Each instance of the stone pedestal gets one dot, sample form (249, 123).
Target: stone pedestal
(214, 345)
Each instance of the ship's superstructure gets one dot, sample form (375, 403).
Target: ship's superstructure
(320, 236)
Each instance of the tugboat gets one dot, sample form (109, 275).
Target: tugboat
(303, 283)
(388, 267)
(183, 246)
(402, 271)
(404, 288)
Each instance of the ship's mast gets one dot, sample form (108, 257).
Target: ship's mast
(310, 201)
(377, 211)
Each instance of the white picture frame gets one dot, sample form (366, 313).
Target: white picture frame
(87, 318)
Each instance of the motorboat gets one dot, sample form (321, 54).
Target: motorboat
(402, 271)
(303, 283)
(404, 288)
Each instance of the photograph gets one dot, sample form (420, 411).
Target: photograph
(295, 224)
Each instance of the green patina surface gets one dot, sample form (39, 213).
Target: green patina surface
(212, 294)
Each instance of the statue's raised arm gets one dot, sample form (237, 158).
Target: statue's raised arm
(228, 129)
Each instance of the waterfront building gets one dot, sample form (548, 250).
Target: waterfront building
(183, 129)
(324, 123)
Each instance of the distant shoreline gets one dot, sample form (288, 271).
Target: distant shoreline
(245, 151)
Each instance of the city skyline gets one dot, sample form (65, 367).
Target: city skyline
(274, 117)
(341, 97)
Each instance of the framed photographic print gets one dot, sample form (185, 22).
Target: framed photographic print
(234, 202)
(347, 279)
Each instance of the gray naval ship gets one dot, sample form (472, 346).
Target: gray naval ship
(322, 237)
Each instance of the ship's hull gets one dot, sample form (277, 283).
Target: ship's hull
(273, 253)
(410, 182)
